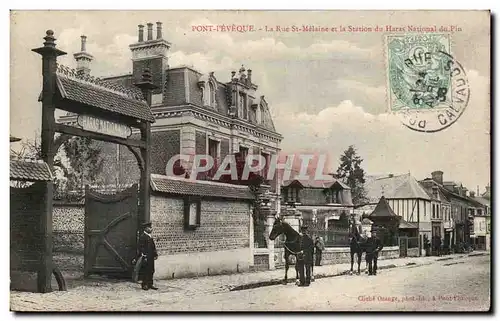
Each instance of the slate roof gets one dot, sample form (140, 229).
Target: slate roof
(427, 185)
(392, 187)
(383, 209)
(24, 170)
(106, 95)
(183, 186)
(316, 183)
(482, 200)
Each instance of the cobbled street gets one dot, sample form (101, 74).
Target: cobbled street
(461, 284)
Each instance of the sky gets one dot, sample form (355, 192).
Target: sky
(326, 91)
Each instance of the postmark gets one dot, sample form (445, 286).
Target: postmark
(427, 88)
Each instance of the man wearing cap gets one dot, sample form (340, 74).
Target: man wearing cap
(374, 246)
(147, 249)
(305, 257)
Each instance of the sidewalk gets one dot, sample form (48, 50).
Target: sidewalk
(98, 294)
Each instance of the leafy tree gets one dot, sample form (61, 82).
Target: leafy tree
(85, 162)
(351, 173)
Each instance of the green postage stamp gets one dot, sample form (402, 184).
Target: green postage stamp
(427, 87)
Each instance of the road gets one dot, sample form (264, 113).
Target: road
(458, 285)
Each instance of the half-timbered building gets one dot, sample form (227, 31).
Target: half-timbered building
(406, 197)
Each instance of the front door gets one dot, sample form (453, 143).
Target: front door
(110, 232)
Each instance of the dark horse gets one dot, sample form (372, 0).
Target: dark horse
(356, 244)
(292, 244)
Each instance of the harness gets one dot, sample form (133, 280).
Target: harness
(288, 249)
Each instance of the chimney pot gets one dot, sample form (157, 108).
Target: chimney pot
(437, 176)
(158, 30)
(84, 43)
(249, 75)
(141, 33)
(150, 31)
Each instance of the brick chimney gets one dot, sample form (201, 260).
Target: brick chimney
(151, 54)
(437, 176)
(83, 58)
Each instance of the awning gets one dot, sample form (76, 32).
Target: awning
(407, 225)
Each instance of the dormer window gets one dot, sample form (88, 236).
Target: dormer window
(242, 106)
(209, 91)
(292, 195)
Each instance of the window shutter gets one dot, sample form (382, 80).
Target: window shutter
(198, 213)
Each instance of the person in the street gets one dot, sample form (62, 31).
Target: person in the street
(147, 249)
(319, 246)
(374, 246)
(305, 257)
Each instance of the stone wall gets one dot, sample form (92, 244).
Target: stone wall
(68, 228)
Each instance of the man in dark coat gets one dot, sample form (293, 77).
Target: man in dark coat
(319, 248)
(305, 257)
(373, 247)
(147, 249)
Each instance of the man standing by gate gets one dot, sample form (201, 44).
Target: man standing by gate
(147, 249)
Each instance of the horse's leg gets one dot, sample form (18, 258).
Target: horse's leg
(285, 280)
(359, 261)
(352, 260)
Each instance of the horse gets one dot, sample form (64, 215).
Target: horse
(357, 246)
(292, 244)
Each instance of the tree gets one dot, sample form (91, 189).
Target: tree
(32, 149)
(351, 173)
(85, 161)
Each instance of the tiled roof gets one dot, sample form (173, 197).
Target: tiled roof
(397, 186)
(405, 224)
(383, 209)
(106, 95)
(316, 183)
(183, 186)
(24, 170)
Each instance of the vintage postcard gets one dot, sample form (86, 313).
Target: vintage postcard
(250, 161)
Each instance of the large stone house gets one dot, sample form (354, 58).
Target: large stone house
(195, 113)
(201, 226)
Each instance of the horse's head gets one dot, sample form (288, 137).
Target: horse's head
(277, 229)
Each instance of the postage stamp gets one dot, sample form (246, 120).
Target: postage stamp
(427, 87)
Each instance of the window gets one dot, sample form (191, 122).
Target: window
(433, 210)
(479, 212)
(242, 106)
(213, 148)
(209, 94)
(292, 195)
(213, 93)
(438, 211)
(266, 165)
(192, 213)
(243, 152)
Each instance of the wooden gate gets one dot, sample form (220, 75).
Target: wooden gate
(110, 232)
(403, 246)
